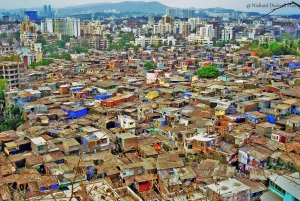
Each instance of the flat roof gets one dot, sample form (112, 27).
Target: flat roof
(38, 141)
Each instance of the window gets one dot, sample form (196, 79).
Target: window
(190, 146)
(103, 141)
(40, 148)
(202, 144)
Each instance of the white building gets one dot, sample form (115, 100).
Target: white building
(193, 22)
(227, 33)
(230, 190)
(207, 31)
(142, 41)
(266, 38)
(64, 26)
(126, 29)
(103, 138)
(161, 28)
(127, 123)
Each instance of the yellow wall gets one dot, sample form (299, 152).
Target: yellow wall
(220, 112)
(152, 95)
(194, 78)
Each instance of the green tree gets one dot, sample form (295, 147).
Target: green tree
(159, 45)
(208, 72)
(149, 66)
(17, 35)
(42, 41)
(15, 111)
(3, 35)
(79, 49)
(66, 56)
(3, 85)
(197, 63)
(54, 55)
(61, 44)
(14, 58)
(66, 38)
(43, 62)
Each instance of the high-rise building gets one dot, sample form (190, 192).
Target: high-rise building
(184, 29)
(167, 20)
(49, 9)
(193, 22)
(181, 13)
(151, 21)
(5, 18)
(32, 14)
(227, 33)
(207, 31)
(298, 33)
(64, 26)
(45, 10)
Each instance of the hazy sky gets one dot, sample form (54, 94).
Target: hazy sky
(243, 5)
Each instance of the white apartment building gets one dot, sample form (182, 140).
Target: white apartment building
(142, 41)
(266, 38)
(162, 28)
(193, 22)
(227, 33)
(64, 26)
(207, 31)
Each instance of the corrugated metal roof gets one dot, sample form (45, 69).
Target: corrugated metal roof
(289, 183)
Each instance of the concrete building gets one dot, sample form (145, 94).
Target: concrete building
(228, 33)
(193, 22)
(207, 31)
(25, 55)
(161, 28)
(168, 20)
(92, 28)
(230, 189)
(64, 26)
(184, 29)
(142, 41)
(181, 13)
(266, 38)
(6, 49)
(13, 72)
(28, 32)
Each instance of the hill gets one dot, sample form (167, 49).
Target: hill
(126, 6)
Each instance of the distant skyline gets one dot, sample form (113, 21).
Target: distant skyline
(261, 6)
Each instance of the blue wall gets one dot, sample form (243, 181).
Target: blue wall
(78, 113)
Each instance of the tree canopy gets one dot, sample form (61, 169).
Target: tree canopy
(43, 62)
(208, 72)
(149, 66)
(123, 43)
(288, 47)
(3, 84)
(14, 58)
(12, 120)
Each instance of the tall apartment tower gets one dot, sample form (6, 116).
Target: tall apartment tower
(49, 9)
(64, 26)
(45, 10)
